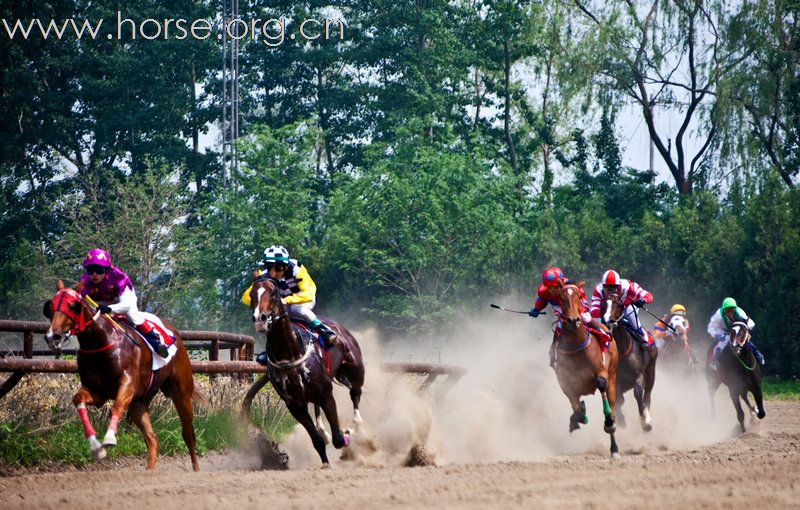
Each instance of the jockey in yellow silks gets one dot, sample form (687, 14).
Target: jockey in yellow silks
(297, 290)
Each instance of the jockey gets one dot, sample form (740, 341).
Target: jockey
(114, 293)
(552, 277)
(298, 291)
(719, 328)
(662, 332)
(632, 296)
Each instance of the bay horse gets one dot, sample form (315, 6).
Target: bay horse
(631, 373)
(583, 367)
(740, 372)
(305, 374)
(115, 364)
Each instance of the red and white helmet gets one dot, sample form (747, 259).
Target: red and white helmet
(611, 277)
(552, 276)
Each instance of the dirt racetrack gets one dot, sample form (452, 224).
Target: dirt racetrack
(499, 440)
(758, 469)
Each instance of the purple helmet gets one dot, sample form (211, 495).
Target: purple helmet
(97, 257)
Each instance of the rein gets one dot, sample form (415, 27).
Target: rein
(291, 364)
(747, 339)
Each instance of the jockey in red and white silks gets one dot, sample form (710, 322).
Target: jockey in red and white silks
(631, 294)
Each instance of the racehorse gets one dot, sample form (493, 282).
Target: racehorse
(631, 374)
(583, 366)
(304, 374)
(115, 364)
(676, 351)
(740, 372)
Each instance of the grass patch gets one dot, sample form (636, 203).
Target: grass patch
(40, 424)
(777, 389)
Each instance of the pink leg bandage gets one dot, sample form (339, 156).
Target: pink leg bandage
(88, 431)
(112, 425)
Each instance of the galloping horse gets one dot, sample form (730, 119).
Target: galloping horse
(631, 374)
(676, 350)
(740, 372)
(582, 366)
(303, 374)
(115, 364)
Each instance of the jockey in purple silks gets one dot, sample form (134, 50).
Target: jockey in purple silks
(114, 293)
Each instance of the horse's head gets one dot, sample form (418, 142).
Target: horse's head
(740, 335)
(571, 306)
(611, 308)
(265, 302)
(66, 311)
(680, 325)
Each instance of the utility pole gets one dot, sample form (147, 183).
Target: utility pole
(230, 91)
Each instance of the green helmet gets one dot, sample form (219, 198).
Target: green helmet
(728, 302)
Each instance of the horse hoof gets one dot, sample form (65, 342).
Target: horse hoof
(573, 425)
(110, 440)
(325, 465)
(99, 454)
(615, 456)
(647, 427)
(761, 415)
(610, 429)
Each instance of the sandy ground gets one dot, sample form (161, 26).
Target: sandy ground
(499, 439)
(758, 469)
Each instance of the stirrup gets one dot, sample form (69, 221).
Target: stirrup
(263, 358)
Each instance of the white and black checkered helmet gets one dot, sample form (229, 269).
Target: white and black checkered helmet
(276, 253)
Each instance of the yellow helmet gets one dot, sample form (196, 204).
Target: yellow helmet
(677, 308)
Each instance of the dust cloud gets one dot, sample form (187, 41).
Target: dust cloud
(508, 406)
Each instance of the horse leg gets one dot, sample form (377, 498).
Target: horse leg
(649, 383)
(355, 397)
(578, 412)
(80, 399)
(602, 385)
(759, 397)
(320, 425)
(749, 407)
(738, 406)
(329, 406)
(621, 421)
(300, 413)
(123, 400)
(141, 418)
(182, 399)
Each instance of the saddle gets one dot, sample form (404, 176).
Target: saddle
(305, 334)
(166, 335)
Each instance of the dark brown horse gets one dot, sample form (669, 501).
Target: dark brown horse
(631, 374)
(582, 366)
(740, 372)
(114, 364)
(303, 375)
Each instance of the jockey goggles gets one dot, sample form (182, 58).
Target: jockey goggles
(96, 270)
(277, 266)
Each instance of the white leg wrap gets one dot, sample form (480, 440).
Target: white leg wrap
(110, 439)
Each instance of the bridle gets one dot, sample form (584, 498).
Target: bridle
(611, 299)
(61, 304)
(267, 319)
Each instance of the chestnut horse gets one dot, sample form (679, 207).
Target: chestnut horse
(115, 364)
(582, 365)
(303, 375)
(676, 351)
(740, 372)
(631, 373)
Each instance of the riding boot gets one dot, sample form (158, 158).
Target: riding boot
(149, 333)
(263, 358)
(326, 333)
(757, 354)
(646, 355)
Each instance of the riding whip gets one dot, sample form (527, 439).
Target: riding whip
(107, 316)
(659, 319)
(512, 311)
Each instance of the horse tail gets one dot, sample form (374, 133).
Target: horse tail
(199, 398)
